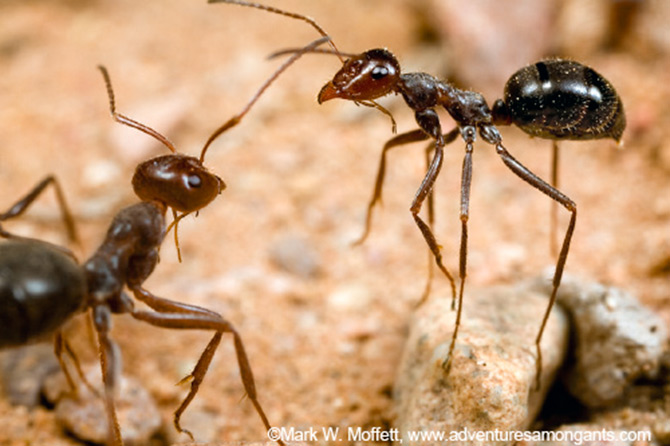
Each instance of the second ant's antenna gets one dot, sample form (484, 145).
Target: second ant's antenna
(293, 15)
(232, 122)
(118, 117)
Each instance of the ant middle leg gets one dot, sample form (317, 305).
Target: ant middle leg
(21, 205)
(469, 134)
(177, 315)
(522, 172)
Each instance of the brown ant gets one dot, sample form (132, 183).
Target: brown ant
(553, 99)
(42, 285)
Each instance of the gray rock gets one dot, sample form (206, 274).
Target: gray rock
(617, 341)
(491, 381)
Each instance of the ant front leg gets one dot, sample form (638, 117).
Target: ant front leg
(399, 140)
(556, 195)
(177, 315)
(20, 207)
(430, 122)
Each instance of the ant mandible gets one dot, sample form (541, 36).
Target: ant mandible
(42, 285)
(553, 99)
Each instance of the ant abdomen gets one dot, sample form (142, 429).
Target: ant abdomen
(40, 288)
(178, 181)
(561, 99)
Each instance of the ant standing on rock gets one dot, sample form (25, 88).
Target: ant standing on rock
(42, 285)
(553, 99)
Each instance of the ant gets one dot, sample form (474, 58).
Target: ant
(553, 99)
(42, 285)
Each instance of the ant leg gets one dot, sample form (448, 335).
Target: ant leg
(62, 346)
(448, 138)
(77, 365)
(177, 315)
(59, 347)
(431, 221)
(110, 363)
(422, 192)
(469, 134)
(554, 205)
(402, 139)
(20, 206)
(556, 195)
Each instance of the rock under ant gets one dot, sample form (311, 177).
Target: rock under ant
(553, 99)
(42, 285)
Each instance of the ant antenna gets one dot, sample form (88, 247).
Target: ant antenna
(298, 52)
(232, 122)
(293, 15)
(118, 117)
(331, 52)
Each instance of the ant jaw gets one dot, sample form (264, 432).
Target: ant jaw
(222, 184)
(328, 92)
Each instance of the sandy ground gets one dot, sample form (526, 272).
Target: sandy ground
(324, 332)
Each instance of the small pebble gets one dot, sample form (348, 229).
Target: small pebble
(297, 256)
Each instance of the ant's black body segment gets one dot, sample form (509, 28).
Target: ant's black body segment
(34, 274)
(561, 99)
(553, 99)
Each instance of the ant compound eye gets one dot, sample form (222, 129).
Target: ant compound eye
(194, 181)
(379, 72)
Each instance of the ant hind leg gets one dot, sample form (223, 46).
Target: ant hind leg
(21, 205)
(556, 195)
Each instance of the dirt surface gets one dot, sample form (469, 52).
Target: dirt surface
(323, 322)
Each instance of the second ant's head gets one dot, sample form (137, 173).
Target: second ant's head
(179, 181)
(365, 77)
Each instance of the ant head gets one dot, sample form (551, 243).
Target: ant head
(179, 181)
(365, 77)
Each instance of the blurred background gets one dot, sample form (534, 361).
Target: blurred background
(323, 322)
